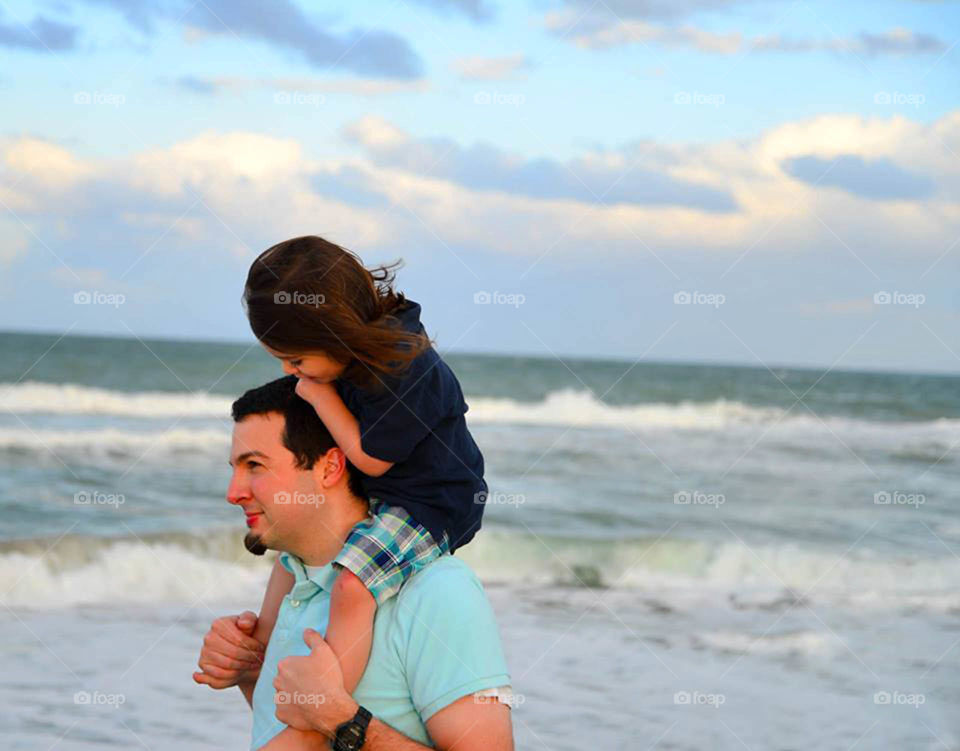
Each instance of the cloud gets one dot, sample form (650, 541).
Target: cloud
(597, 35)
(878, 179)
(283, 25)
(226, 196)
(41, 35)
(660, 9)
(477, 10)
(365, 87)
(600, 178)
(491, 68)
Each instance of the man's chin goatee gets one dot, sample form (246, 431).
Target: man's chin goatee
(253, 544)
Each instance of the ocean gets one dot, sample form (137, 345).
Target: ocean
(680, 556)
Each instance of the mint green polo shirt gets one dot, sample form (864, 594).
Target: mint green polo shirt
(435, 642)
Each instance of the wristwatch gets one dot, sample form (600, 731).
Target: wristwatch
(352, 734)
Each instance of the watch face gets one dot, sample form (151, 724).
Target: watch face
(349, 738)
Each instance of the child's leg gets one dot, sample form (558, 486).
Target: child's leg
(380, 554)
(281, 582)
(350, 630)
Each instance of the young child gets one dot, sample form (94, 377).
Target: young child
(394, 407)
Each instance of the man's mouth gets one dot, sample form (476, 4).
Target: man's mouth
(252, 518)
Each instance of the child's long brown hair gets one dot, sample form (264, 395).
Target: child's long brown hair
(308, 295)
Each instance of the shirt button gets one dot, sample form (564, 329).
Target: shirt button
(295, 603)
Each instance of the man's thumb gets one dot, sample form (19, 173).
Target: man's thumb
(313, 639)
(247, 622)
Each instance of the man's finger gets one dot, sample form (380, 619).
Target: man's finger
(247, 622)
(313, 639)
(206, 680)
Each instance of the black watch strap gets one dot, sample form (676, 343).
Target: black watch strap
(352, 734)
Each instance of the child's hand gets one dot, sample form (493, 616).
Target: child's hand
(314, 391)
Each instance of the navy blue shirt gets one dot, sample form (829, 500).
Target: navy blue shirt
(418, 423)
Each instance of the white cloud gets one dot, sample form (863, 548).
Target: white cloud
(491, 68)
(239, 192)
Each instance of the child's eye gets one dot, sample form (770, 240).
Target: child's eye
(296, 363)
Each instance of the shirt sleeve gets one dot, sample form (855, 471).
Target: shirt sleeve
(394, 420)
(453, 647)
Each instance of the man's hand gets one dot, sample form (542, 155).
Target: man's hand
(309, 690)
(230, 655)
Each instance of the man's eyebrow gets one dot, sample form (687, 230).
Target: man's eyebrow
(246, 455)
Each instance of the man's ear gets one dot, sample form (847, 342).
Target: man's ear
(330, 467)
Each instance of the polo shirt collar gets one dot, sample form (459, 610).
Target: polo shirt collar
(306, 582)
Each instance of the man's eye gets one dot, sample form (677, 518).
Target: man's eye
(252, 464)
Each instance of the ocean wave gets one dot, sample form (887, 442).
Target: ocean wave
(32, 397)
(563, 407)
(682, 573)
(114, 444)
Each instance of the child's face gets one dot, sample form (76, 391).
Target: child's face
(314, 367)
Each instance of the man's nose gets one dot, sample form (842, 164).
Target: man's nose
(237, 490)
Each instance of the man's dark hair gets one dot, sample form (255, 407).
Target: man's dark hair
(304, 433)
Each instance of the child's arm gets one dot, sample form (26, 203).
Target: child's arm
(281, 582)
(341, 423)
(350, 629)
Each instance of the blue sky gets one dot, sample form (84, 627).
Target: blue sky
(790, 168)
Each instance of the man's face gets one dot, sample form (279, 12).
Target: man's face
(279, 499)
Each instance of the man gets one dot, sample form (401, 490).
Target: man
(436, 653)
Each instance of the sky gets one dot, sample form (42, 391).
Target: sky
(729, 181)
